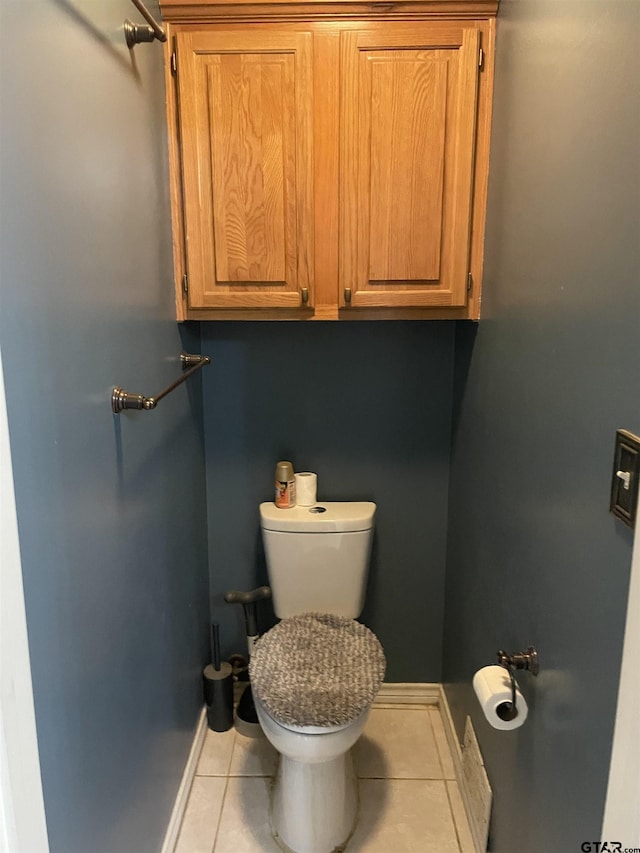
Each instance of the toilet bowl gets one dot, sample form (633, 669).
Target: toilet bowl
(314, 679)
(314, 802)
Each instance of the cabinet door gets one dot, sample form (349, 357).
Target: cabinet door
(245, 108)
(408, 119)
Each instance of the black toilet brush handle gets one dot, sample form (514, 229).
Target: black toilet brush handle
(215, 645)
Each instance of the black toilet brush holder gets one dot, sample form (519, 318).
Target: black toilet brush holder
(217, 679)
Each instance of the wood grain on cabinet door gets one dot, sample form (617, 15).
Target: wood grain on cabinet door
(408, 122)
(245, 112)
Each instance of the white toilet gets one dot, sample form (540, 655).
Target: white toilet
(315, 675)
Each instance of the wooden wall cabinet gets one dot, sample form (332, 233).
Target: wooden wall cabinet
(329, 160)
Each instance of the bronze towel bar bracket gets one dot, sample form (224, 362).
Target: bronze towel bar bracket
(121, 399)
(138, 33)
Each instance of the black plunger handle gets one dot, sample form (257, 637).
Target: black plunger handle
(248, 601)
(236, 597)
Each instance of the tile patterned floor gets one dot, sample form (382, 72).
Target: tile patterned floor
(409, 799)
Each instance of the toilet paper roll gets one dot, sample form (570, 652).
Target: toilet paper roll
(493, 689)
(306, 488)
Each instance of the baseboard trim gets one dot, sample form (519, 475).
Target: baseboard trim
(450, 730)
(456, 752)
(184, 790)
(408, 694)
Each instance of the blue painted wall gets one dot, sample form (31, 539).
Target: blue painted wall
(368, 407)
(110, 509)
(541, 387)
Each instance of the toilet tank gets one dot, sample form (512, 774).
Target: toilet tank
(318, 556)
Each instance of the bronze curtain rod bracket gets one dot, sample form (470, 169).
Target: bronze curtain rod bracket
(122, 400)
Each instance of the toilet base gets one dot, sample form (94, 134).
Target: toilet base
(314, 807)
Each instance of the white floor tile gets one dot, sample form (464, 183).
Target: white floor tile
(200, 822)
(410, 801)
(404, 816)
(244, 824)
(444, 752)
(215, 757)
(397, 745)
(253, 757)
(465, 839)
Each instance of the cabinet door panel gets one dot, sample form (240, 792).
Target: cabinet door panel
(245, 121)
(406, 165)
(253, 167)
(407, 144)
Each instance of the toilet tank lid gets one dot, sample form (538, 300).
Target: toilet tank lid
(323, 517)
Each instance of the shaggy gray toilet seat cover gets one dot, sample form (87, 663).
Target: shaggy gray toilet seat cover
(317, 669)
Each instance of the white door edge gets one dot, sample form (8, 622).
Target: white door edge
(621, 814)
(23, 826)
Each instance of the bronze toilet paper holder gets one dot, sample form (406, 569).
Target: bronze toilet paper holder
(521, 660)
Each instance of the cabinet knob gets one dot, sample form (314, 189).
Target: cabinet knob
(304, 295)
(347, 295)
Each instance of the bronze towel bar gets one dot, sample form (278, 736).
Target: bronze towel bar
(121, 400)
